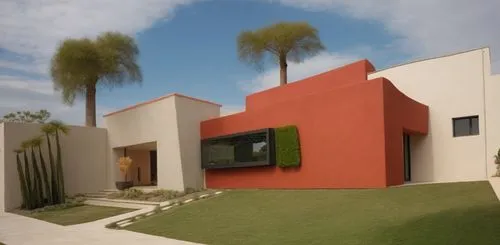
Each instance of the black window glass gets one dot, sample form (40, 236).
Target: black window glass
(465, 126)
(246, 149)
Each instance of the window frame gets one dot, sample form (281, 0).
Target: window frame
(270, 154)
(469, 118)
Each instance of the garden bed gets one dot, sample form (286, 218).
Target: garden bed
(159, 195)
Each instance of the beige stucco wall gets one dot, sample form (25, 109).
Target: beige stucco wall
(84, 159)
(452, 86)
(492, 110)
(158, 121)
(140, 159)
(190, 113)
(2, 168)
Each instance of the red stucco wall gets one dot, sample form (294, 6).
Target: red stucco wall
(345, 139)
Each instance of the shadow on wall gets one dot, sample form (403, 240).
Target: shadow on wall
(422, 157)
(460, 226)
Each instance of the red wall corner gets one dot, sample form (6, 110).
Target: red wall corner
(350, 131)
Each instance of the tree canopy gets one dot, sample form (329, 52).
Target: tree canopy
(80, 66)
(40, 116)
(293, 41)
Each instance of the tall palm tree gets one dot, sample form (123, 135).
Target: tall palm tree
(31, 183)
(38, 175)
(283, 41)
(81, 66)
(22, 181)
(49, 130)
(59, 128)
(36, 143)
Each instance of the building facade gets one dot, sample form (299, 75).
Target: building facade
(464, 119)
(433, 120)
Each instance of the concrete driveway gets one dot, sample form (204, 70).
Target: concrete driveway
(20, 230)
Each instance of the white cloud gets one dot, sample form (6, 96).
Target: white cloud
(35, 27)
(296, 71)
(37, 86)
(426, 28)
(25, 94)
(30, 30)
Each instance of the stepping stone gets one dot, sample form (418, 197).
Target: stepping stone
(126, 224)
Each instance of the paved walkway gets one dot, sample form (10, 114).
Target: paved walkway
(20, 230)
(495, 184)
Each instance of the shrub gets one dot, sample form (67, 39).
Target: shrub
(287, 147)
(153, 196)
(497, 162)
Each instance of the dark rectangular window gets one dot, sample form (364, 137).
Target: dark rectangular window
(465, 126)
(246, 149)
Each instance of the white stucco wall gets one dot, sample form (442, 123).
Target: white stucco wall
(172, 122)
(492, 109)
(152, 122)
(452, 86)
(2, 169)
(84, 157)
(190, 114)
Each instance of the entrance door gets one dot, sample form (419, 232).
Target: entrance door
(407, 157)
(153, 167)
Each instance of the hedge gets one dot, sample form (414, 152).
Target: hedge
(287, 147)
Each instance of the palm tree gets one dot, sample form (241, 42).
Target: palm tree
(36, 142)
(80, 66)
(38, 176)
(22, 181)
(284, 41)
(49, 130)
(59, 128)
(32, 184)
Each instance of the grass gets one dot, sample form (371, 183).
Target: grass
(455, 213)
(75, 215)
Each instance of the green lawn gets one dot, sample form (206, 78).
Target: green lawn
(76, 215)
(458, 213)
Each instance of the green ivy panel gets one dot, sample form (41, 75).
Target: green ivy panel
(287, 147)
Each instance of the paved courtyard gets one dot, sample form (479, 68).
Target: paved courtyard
(20, 230)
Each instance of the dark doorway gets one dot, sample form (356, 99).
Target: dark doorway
(407, 157)
(153, 167)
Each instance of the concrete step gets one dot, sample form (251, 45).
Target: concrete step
(109, 190)
(124, 201)
(104, 202)
(96, 195)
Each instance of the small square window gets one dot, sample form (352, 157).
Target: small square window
(465, 126)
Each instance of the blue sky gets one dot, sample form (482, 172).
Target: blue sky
(195, 52)
(189, 46)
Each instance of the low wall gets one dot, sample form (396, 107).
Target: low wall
(84, 155)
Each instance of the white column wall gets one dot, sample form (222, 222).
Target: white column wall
(152, 122)
(452, 86)
(190, 114)
(492, 114)
(2, 169)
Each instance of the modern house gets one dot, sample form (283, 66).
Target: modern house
(433, 120)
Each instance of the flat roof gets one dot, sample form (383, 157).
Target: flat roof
(158, 99)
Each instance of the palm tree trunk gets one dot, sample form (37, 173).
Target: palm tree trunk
(45, 177)
(60, 174)
(22, 182)
(53, 173)
(90, 117)
(283, 71)
(38, 179)
(31, 190)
